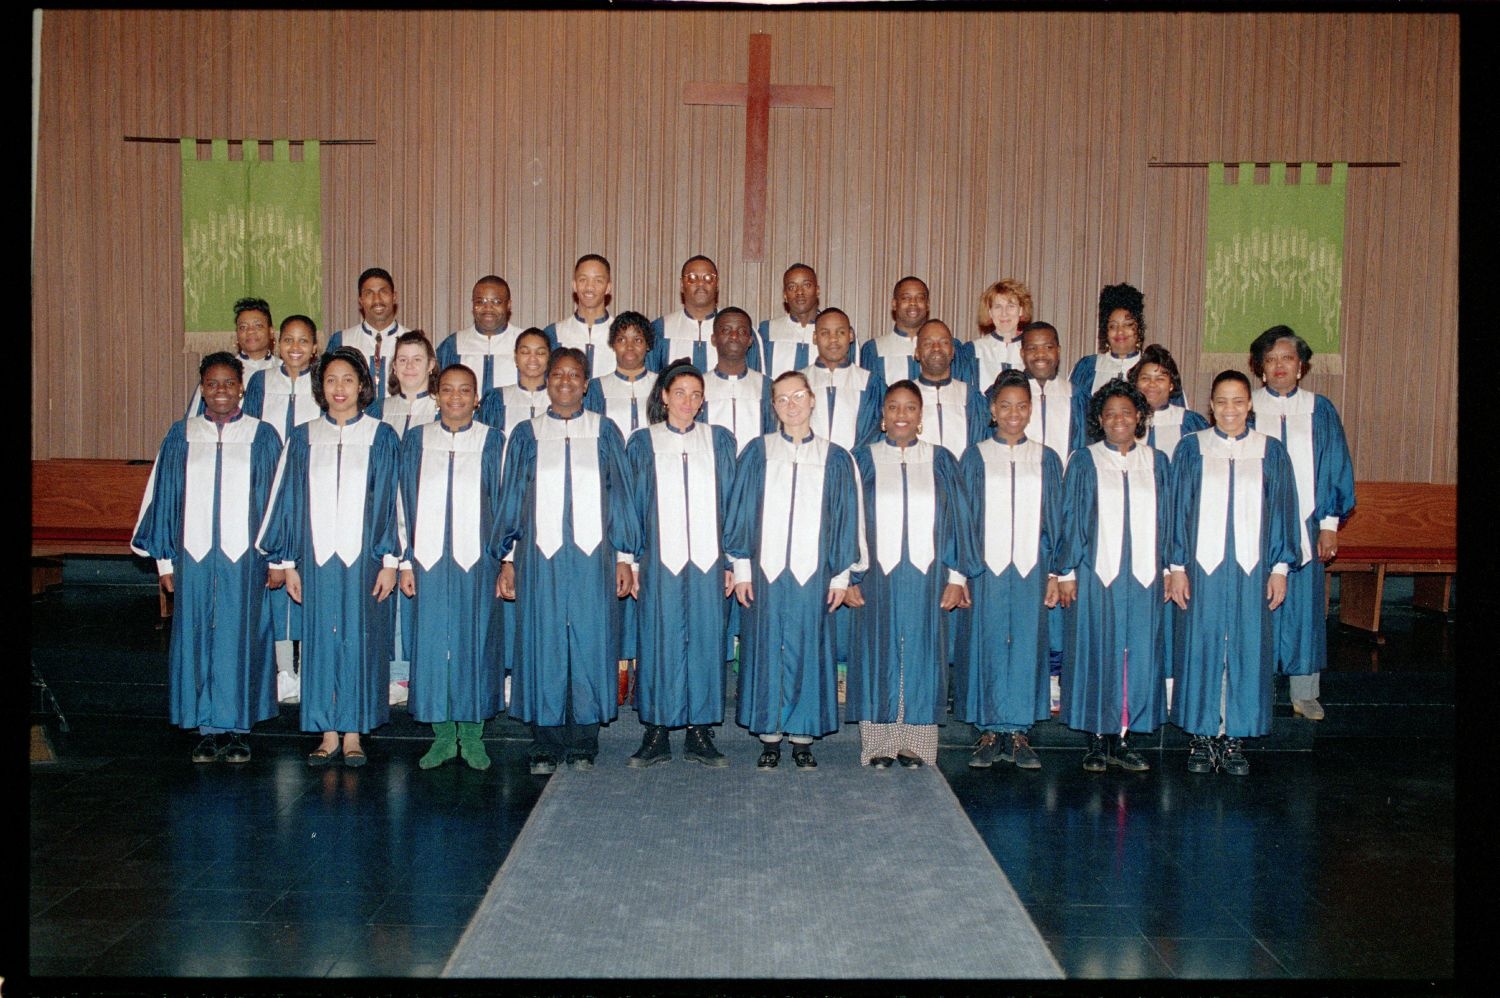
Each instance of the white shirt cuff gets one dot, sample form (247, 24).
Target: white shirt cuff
(164, 566)
(390, 561)
(839, 581)
(1328, 523)
(282, 566)
(1279, 568)
(956, 578)
(405, 566)
(1178, 568)
(741, 570)
(625, 558)
(1068, 577)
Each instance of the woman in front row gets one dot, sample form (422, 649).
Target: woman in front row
(1234, 539)
(1118, 526)
(913, 516)
(794, 537)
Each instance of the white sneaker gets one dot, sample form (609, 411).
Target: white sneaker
(1056, 695)
(399, 692)
(288, 687)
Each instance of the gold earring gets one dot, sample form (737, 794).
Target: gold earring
(919, 429)
(882, 426)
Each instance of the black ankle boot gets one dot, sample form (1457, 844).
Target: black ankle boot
(656, 746)
(700, 747)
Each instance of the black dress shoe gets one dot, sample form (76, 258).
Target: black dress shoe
(909, 761)
(881, 762)
(208, 749)
(770, 758)
(656, 746)
(1123, 755)
(236, 750)
(1095, 759)
(803, 757)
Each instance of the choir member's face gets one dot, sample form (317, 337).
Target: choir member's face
(591, 284)
(903, 413)
(413, 368)
(296, 346)
(793, 402)
(700, 285)
(252, 333)
(832, 336)
(1039, 352)
(1005, 314)
(1231, 407)
(909, 305)
(934, 351)
(531, 356)
(341, 389)
(457, 398)
(1155, 383)
(629, 346)
(1281, 367)
(684, 399)
(377, 302)
(1011, 412)
(799, 289)
(731, 336)
(1119, 419)
(491, 303)
(1123, 333)
(222, 390)
(565, 386)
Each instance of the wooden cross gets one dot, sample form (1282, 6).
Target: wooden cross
(757, 96)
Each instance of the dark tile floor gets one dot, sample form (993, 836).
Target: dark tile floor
(1319, 864)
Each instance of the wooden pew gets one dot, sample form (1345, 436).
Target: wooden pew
(1397, 528)
(81, 506)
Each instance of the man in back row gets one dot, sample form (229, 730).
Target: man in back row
(488, 347)
(375, 334)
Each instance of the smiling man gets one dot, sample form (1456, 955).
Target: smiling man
(734, 396)
(893, 354)
(488, 346)
(375, 334)
(786, 343)
(689, 332)
(588, 328)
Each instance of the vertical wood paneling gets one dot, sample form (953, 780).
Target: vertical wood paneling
(962, 147)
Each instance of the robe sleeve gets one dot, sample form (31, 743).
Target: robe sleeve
(158, 527)
(954, 545)
(869, 357)
(864, 482)
(491, 476)
(408, 478)
(1080, 515)
(1279, 507)
(979, 416)
(624, 528)
(640, 463)
(726, 465)
(1078, 422)
(551, 333)
(656, 357)
(965, 363)
(1333, 486)
(491, 409)
(382, 539)
(1053, 501)
(254, 402)
(871, 401)
(842, 555)
(1162, 473)
(593, 397)
(283, 532)
(447, 353)
(970, 492)
(742, 518)
(519, 468)
(1187, 481)
(1082, 375)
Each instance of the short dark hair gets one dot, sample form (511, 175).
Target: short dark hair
(1126, 296)
(656, 402)
(490, 279)
(1009, 378)
(356, 360)
(370, 272)
(1266, 340)
(833, 309)
(699, 256)
(597, 257)
(910, 277)
(798, 266)
(1162, 358)
(1040, 324)
(465, 368)
(566, 353)
(217, 358)
(253, 305)
(533, 331)
(393, 385)
(733, 310)
(299, 318)
(629, 320)
(908, 385)
(1116, 387)
(1228, 375)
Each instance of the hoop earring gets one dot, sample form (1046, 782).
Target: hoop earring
(919, 429)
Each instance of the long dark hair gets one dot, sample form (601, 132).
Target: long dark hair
(354, 359)
(656, 402)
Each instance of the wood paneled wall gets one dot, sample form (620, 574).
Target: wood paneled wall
(962, 147)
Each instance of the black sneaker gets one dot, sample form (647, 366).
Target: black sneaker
(208, 749)
(1232, 757)
(656, 746)
(1200, 755)
(985, 750)
(770, 757)
(881, 762)
(1019, 751)
(1127, 758)
(700, 747)
(236, 750)
(803, 757)
(1095, 760)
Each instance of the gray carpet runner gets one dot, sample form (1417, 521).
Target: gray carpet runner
(680, 871)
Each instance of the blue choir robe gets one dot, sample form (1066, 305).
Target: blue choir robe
(378, 348)
(847, 403)
(622, 399)
(914, 519)
(986, 356)
(1170, 424)
(567, 515)
(492, 358)
(682, 482)
(1235, 523)
(508, 407)
(794, 534)
(252, 367)
(739, 403)
(1014, 496)
(1117, 516)
(590, 337)
(273, 397)
(449, 504)
(1309, 427)
(1053, 423)
(401, 414)
(203, 504)
(784, 344)
(333, 518)
(954, 415)
(680, 335)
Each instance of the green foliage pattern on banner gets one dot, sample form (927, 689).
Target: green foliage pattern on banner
(1275, 256)
(252, 227)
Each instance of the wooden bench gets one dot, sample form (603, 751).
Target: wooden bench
(1397, 528)
(81, 506)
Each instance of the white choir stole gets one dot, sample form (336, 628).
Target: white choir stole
(687, 497)
(905, 504)
(1052, 415)
(1012, 504)
(945, 415)
(464, 453)
(1166, 427)
(895, 351)
(1113, 470)
(735, 404)
(1224, 458)
(791, 515)
(338, 464)
(1295, 413)
(682, 332)
(787, 335)
(281, 394)
(1108, 367)
(619, 394)
(836, 418)
(473, 347)
(993, 355)
(203, 466)
(567, 452)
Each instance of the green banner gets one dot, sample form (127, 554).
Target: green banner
(1275, 256)
(252, 227)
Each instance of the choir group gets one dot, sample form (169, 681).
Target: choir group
(497, 523)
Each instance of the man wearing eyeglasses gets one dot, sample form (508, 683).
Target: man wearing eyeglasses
(375, 334)
(689, 332)
(488, 347)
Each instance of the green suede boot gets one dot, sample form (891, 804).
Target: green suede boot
(471, 744)
(444, 745)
